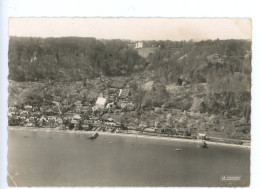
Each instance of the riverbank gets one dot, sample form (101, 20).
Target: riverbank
(136, 135)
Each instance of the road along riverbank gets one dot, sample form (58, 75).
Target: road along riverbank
(136, 135)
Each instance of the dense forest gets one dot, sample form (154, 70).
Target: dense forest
(69, 59)
(73, 58)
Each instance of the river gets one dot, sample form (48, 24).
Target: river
(64, 159)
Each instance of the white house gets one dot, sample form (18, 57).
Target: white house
(100, 103)
(202, 136)
(139, 45)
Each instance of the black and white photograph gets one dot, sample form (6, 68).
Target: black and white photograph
(129, 102)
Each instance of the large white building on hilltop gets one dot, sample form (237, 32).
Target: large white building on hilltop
(139, 45)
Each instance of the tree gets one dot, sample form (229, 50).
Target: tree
(138, 98)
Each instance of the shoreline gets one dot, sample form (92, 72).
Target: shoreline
(138, 135)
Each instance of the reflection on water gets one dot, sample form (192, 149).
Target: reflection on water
(62, 159)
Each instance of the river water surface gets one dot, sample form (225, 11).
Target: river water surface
(65, 159)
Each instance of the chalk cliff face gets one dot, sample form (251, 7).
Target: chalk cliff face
(201, 78)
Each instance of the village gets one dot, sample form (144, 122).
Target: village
(100, 114)
(112, 108)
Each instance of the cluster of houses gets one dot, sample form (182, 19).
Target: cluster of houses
(30, 117)
(23, 117)
(83, 117)
(66, 113)
(80, 114)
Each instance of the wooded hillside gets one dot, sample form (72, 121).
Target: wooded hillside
(223, 65)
